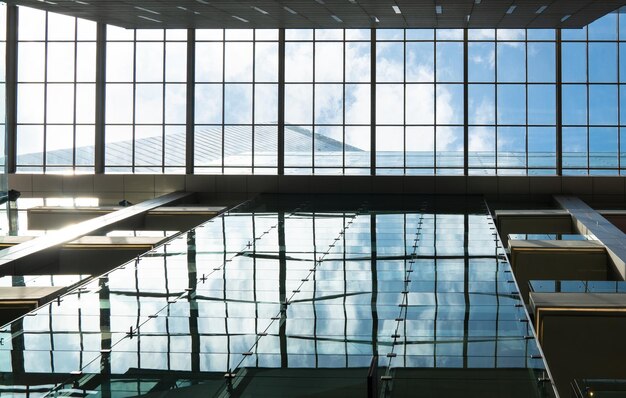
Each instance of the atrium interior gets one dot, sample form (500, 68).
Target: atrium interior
(313, 198)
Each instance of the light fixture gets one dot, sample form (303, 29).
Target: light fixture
(439, 9)
(202, 1)
(147, 10)
(336, 18)
(396, 9)
(375, 19)
(511, 9)
(262, 11)
(467, 18)
(148, 18)
(290, 10)
(565, 18)
(541, 9)
(240, 19)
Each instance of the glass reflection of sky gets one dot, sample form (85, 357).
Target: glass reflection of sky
(301, 287)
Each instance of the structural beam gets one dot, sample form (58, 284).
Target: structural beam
(588, 221)
(65, 235)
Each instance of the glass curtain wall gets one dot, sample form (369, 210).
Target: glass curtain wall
(236, 101)
(512, 101)
(593, 71)
(327, 101)
(55, 93)
(146, 75)
(419, 101)
(431, 87)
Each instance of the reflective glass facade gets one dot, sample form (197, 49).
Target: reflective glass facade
(340, 102)
(278, 294)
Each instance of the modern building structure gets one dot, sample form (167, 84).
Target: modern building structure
(428, 174)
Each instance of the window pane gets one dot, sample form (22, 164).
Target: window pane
(541, 104)
(481, 62)
(390, 62)
(574, 104)
(511, 62)
(449, 62)
(420, 62)
(574, 63)
(511, 104)
(481, 107)
(603, 105)
(541, 62)
(602, 62)
(603, 147)
(389, 104)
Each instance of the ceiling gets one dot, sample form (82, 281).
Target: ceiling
(333, 13)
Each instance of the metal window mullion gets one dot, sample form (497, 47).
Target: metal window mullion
(45, 97)
(496, 87)
(223, 99)
(163, 99)
(435, 86)
(559, 105)
(191, 102)
(134, 119)
(619, 100)
(313, 127)
(75, 91)
(281, 102)
(252, 129)
(373, 101)
(465, 103)
(588, 99)
(11, 87)
(526, 89)
(404, 105)
(343, 149)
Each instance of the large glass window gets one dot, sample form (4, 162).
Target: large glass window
(591, 98)
(146, 74)
(418, 78)
(236, 101)
(327, 101)
(55, 93)
(512, 101)
(419, 101)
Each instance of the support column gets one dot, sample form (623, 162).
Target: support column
(373, 102)
(281, 102)
(465, 106)
(101, 42)
(191, 102)
(11, 88)
(559, 107)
